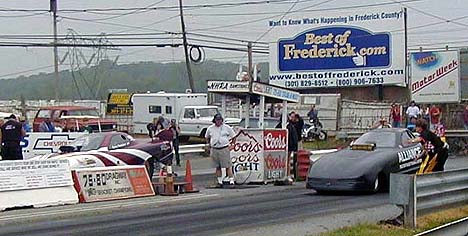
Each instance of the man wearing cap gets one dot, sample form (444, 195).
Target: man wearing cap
(217, 137)
(11, 135)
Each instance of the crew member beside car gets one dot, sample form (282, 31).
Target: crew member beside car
(12, 133)
(436, 149)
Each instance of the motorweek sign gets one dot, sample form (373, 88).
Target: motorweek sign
(338, 48)
(435, 77)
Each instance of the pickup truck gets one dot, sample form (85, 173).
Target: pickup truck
(73, 118)
(196, 119)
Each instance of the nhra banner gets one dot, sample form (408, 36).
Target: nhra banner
(435, 77)
(360, 47)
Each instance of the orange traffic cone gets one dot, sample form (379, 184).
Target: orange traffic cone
(169, 184)
(188, 178)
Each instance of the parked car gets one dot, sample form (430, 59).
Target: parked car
(74, 118)
(113, 149)
(367, 163)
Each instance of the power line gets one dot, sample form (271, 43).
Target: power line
(25, 15)
(225, 43)
(130, 13)
(255, 20)
(186, 7)
(431, 15)
(116, 24)
(221, 37)
(304, 10)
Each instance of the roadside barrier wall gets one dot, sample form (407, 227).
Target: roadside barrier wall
(37, 183)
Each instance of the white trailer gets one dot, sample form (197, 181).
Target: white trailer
(189, 109)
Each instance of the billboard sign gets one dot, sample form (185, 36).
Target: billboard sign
(119, 103)
(360, 47)
(435, 77)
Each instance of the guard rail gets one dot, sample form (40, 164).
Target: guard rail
(448, 133)
(192, 148)
(427, 193)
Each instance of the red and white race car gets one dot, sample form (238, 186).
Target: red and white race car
(113, 149)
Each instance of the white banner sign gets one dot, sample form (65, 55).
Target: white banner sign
(339, 48)
(19, 175)
(37, 143)
(228, 86)
(435, 77)
(275, 92)
(98, 184)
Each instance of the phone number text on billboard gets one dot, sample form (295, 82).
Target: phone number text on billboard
(335, 79)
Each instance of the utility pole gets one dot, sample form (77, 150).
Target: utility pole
(53, 9)
(249, 56)
(187, 56)
(249, 72)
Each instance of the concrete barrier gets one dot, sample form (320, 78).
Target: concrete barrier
(110, 183)
(36, 183)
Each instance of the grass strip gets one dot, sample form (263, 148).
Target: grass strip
(425, 222)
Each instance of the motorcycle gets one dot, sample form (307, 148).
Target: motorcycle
(313, 130)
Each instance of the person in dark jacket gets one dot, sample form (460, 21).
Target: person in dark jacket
(11, 136)
(174, 127)
(298, 123)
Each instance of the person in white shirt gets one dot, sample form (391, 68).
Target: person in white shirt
(412, 111)
(218, 136)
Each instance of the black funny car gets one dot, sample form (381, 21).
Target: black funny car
(367, 163)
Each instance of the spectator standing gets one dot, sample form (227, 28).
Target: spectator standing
(383, 123)
(425, 112)
(26, 125)
(298, 123)
(395, 115)
(412, 111)
(312, 114)
(434, 115)
(293, 136)
(174, 127)
(465, 117)
(11, 136)
(47, 125)
(412, 124)
(218, 137)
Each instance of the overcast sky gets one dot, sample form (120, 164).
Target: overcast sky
(427, 23)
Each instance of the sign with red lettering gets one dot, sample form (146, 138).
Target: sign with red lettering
(108, 183)
(246, 156)
(259, 155)
(275, 165)
(275, 140)
(435, 76)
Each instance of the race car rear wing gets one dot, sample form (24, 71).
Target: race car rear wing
(363, 147)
